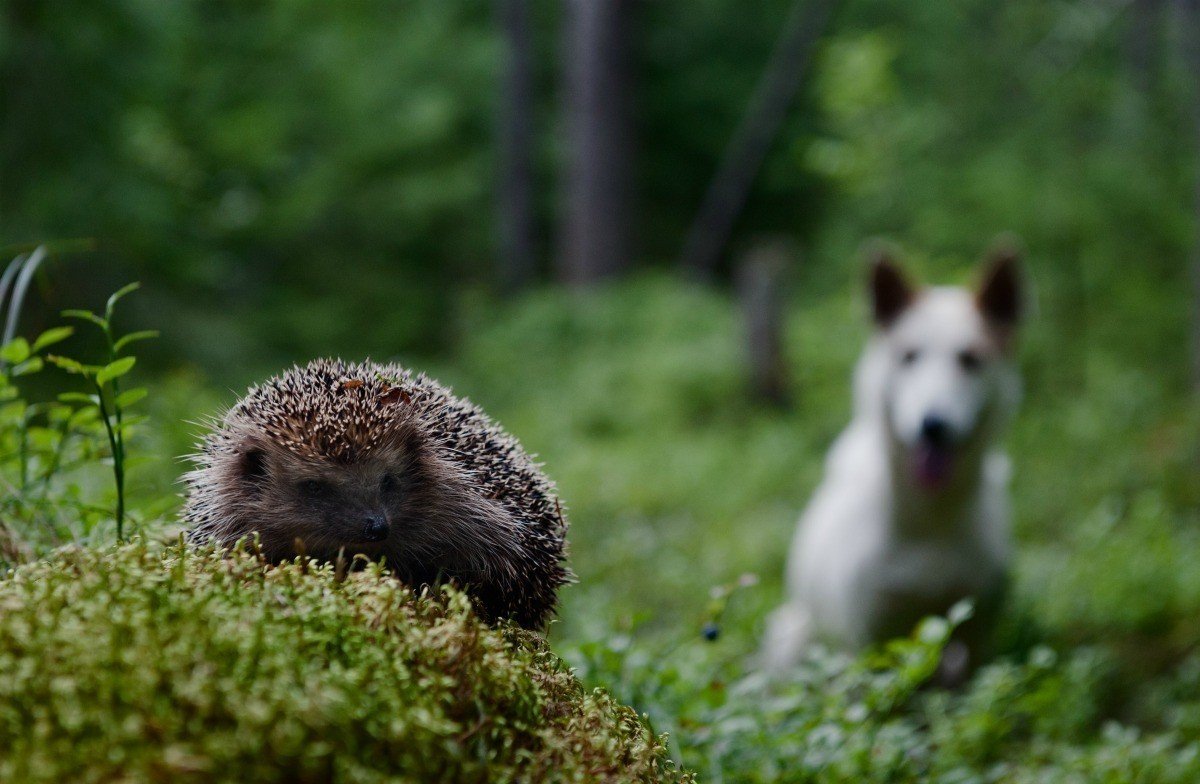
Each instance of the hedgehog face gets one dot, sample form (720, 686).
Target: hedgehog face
(352, 506)
(367, 506)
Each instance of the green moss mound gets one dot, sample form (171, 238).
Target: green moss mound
(139, 663)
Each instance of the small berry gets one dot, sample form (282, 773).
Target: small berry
(711, 631)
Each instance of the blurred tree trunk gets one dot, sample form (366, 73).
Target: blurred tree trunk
(518, 259)
(751, 142)
(596, 223)
(1142, 42)
(1190, 12)
(760, 286)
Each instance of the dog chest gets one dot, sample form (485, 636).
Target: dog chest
(915, 581)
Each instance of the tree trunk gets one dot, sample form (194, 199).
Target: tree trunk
(596, 226)
(751, 142)
(760, 285)
(518, 255)
(1143, 42)
(1190, 11)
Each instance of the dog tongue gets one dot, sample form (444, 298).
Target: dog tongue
(933, 465)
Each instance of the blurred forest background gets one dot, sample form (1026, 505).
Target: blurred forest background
(575, 212)
(302, 178)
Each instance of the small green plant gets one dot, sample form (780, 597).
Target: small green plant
(40, 442)
(106, 395)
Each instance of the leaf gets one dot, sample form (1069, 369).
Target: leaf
(52, 336)
(16, 350)
(961, 612)
(145, 334)
(121, 292)
(86, 315)
(84, 416)
(130, 396)
(394, 395)
(67, 364)
(79, 397)
(41, 437)
(57, 412)
(933, 630)
(31, 365)
(115, 369)
(132, 421)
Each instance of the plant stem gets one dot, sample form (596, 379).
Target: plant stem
(116, 438)
(118, 461)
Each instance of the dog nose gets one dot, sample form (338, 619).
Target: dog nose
(376, 529)
(935, 430)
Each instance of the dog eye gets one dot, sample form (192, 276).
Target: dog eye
(314, 488)
(970, 361)
(910, 356)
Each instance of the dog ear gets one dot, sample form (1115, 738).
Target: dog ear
(999, 297)
(891, 291)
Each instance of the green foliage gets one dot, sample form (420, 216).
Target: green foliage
(49, 449)
(677, 482)
(107, 397)
(150, 664)
(254, 165)
(836, 719)
(317, 139)
(43, 445)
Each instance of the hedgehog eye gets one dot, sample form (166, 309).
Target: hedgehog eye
(388, 483)
(314, 488)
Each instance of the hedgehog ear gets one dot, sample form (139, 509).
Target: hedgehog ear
(405, 440)
(252, 465)
(412, 441)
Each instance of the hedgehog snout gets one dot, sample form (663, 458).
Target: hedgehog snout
(375, 528)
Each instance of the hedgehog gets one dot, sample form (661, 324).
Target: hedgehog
(336, 459)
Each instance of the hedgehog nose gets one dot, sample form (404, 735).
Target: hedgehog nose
(376, 528)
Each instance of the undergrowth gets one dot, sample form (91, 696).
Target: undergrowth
(145, 663)
(682, 495)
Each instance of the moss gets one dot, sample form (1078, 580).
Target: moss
(140, 663)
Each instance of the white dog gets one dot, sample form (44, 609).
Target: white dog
(912, 515)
